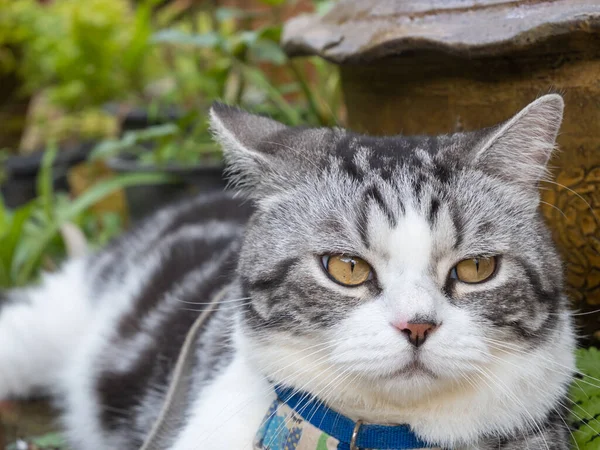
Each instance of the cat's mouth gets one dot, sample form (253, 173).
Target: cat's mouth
(414, 369)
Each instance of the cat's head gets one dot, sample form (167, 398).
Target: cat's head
(402, 265)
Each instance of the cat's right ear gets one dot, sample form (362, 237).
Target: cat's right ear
(518, 150)
(242, 137)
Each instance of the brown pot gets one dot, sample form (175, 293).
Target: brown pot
(433, 67)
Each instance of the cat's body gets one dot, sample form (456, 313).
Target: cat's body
(104, 334)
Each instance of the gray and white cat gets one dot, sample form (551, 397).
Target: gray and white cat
(401, 280)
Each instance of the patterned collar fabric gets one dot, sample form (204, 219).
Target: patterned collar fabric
(297, 421)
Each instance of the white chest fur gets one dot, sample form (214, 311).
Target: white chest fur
(229, 411)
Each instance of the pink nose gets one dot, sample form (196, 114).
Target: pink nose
(417, 332)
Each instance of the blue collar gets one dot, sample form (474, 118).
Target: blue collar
(396, 437)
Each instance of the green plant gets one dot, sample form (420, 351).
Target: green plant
(585, 395)
(30, 236)
(13, 31)
(85, 54)
(181, 143)
(218, 54)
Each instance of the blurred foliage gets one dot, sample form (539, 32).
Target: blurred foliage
(150, 54)
(30, 236)
(83, 53)
(14, 31)
(216, 54)
(585, 395)
(54, 441)
(47, 122)
(160, 55)
(180, 143)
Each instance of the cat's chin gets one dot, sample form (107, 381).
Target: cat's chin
(414, 370)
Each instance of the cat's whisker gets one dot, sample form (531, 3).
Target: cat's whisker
(534, 386)
(325, 346)
(305, 369)
(223, 308)
(325, 396)
(504, 361)
(498, 345)
(305, 395)
(578, 195)
(555, 207)
(245, 404)
(596, 311)
(506, 390)
(302, 388)
(221, 302)
(569, 372)
(566, 424)
(349, 381)
(587, 423)
(322, 394)
(485, 380)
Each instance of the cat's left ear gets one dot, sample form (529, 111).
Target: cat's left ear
(264, 156)
(519, 149)
(253, 149)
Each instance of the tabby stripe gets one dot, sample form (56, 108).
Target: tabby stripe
(434, 210)
(176, 260)
(273, 279)
(121, 392)
(372, 193)
(457, 221)
(353, 171)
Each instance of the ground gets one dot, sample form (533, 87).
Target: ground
(28, 426)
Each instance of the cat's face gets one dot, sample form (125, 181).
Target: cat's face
(406, 263)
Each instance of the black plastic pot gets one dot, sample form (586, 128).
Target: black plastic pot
(20, 185)
(190, 181)
(140, 118)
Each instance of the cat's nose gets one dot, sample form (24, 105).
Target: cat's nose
(417, 332)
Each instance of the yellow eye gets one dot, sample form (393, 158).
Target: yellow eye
(475, 270)
(347, 270)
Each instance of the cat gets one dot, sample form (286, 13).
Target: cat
(398, 280)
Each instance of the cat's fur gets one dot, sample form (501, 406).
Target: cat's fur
(103, 334)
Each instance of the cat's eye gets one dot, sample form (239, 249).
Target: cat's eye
(474, 270)
(347, 270)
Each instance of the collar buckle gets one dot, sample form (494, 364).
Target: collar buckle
(355, 435)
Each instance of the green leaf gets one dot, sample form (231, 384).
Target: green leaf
(107, 149)
(12, 238)
(256, 77)
(588, 361)
(50, 440)
(273, 2)
(209, 39)
(4, 216)
(268, 51)
(151, 133)
(35, 247)
(131, 139)
(324, 6)
(585, 393)
(224, 14)
(271, 33)
(45, 180)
